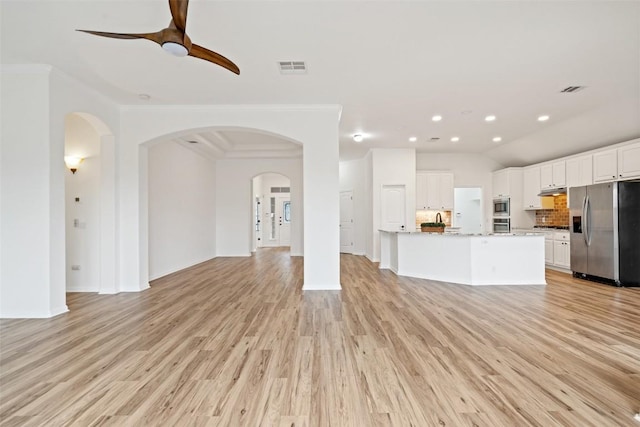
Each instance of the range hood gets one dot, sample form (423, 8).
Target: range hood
(553, 191)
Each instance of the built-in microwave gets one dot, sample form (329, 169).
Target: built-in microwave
(500, 207)
(501, 225)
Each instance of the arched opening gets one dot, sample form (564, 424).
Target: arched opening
(89, 205)
(198, 185)
(273, 212)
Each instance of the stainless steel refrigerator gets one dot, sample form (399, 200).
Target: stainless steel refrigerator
(605, 232)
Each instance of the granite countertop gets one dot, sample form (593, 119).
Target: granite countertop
(519, 233)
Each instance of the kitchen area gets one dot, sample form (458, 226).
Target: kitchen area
(530, 218)
(586, 205)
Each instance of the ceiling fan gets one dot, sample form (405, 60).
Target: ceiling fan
(174, 38)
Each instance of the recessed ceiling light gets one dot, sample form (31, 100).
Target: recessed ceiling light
(490, 118)
(466, 112)
(455, 139)
(497, 139)
(436, 118)
(543, 118)
(358, 137)
(413, 139)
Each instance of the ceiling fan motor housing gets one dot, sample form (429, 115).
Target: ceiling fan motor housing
(171, 37)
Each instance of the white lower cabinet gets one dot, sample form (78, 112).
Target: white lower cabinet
(557, 249)
(561, 254)
(548, 250)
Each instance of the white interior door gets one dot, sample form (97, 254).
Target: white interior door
(276, 221)
(284, 220)
(393, 208)
(346, 222)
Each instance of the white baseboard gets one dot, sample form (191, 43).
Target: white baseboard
(34, 314)
(322, 287)
(182, 267)
(89, 290)
(371, 259)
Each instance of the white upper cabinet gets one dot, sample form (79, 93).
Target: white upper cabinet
(559, 174)
(501, 184)
(605, 166)
(531, 188)
(629, 161)
(580, 171)
(553, 175)
(434, 190)
(617, 163)
(421, 190)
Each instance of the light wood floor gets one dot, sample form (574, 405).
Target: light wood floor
(234, 342)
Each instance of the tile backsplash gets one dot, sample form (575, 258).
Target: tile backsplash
(558, 216)
(430, 216)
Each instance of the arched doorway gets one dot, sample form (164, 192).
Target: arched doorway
(314, 128)
(199, 184)
(89, 205)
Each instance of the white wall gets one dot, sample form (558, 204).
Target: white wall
(392, 167)
(182, 217)
(82, 218)
(24, 286)
(234, 206)
(352, 178)
(35, 101)
(469, 170)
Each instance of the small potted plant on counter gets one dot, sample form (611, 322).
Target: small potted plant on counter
(433, 227)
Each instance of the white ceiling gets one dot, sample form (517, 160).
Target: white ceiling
(390, 64)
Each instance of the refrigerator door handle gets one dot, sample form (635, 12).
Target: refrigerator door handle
(584, 221)
(588, 221)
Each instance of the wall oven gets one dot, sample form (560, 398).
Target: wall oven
(501, 225)
(500, 207)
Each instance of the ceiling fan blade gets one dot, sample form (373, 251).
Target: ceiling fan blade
(154, 37)
(179, 13)
(216, 58)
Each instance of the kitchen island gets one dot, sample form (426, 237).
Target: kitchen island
(499, 259)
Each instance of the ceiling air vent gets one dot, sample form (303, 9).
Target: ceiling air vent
(572, 89)
(434, 139)
(292, 67)
(192, 142)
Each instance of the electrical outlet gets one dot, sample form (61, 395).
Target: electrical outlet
(75, 267)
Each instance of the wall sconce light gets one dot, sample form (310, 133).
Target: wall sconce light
(73, 162)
